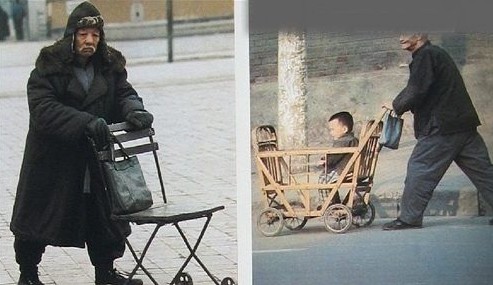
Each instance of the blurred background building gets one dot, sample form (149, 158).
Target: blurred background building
(127, 19)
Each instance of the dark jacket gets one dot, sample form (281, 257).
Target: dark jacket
(436, 94)
(4, 24)
(337, 162)
(49, 205)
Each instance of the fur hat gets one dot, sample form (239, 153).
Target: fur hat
(85, 15)
(60, 56)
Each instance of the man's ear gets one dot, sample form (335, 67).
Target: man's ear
(422, 37)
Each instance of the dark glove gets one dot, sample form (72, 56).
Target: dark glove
(140, 119)
(98, 130)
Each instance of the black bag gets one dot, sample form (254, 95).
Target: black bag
(392, 130)
(128, 192)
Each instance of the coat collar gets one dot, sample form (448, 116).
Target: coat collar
(59, 58)
(421, 48)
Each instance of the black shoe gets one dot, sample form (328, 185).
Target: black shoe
(491, 222)
(29, 280)
(399, 225)
(113, 277)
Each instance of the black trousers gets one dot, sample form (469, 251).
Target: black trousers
(28, 254)
(19, 29)
(430, 159)
(102, 251)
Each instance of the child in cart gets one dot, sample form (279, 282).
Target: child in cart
(341, 129)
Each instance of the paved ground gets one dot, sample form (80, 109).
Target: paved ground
(193, 104)
(448, 250)
(454, 247)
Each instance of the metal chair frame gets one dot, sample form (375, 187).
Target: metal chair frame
(163, 214)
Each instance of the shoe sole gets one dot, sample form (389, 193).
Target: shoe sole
(406, 227)
(402, 228)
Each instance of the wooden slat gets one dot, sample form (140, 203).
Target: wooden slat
(106, 155)
(307, 151)
(120, 127)
(129, 136)
(133, 150)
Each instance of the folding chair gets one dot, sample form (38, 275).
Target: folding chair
(141, 141)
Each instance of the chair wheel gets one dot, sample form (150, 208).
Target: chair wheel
(184, 279)
(228, 281)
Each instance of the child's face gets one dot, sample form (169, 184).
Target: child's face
(336, 129)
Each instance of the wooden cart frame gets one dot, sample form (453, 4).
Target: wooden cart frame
(291, 190)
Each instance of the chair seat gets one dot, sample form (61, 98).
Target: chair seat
(167, 214)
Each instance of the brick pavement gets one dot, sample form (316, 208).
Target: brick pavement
(194, 122)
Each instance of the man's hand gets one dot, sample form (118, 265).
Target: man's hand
(98, 130)
(140, 119)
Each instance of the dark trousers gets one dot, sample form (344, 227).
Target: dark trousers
(19, 29)
(102, 249)
(429, 161)
(28, 254)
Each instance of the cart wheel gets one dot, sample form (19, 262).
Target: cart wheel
(338, 218)
(228, 281)
(295, 223)
(363, 214)
(270, 222)
(184, 279)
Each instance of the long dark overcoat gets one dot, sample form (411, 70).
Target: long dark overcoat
(49, 206)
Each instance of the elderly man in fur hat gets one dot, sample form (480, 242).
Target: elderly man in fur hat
(78, 86)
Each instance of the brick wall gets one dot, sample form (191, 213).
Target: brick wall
(332, 54)
(263, 56)
(360, 72)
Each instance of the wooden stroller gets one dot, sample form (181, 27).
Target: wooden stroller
(292, 192)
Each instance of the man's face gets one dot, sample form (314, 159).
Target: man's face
(409, 42)
(336, 129)
(86, 41)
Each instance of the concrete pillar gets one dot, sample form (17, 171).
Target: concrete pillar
(292, 74)
(36, 20)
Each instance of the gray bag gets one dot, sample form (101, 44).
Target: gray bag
(392, 130)
(128, 192)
